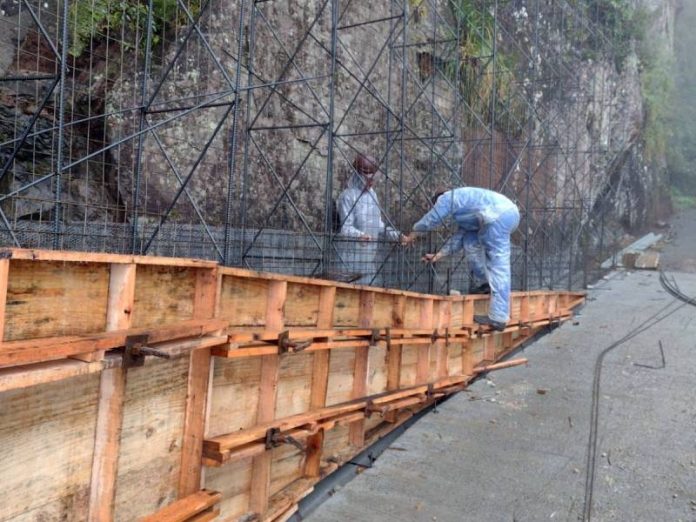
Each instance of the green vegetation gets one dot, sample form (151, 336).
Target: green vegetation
(681, 153)
(617, 28)
(94, 19)
(483, 80)
(682, 201)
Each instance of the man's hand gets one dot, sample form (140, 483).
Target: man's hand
(365, 237)
(431, 258)
(408, 240)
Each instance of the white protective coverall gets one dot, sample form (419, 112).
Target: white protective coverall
(360, 215)
(485, 220)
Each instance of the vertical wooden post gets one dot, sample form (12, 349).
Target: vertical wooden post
(524, 309)
(489, 348)
(468, 358)
(394, 352)
(468, 312)
(206, 295)
(4, 276)
(112, 387)
(261, 465)
(423, 357)
(320, 380)
(360, 368)
(444, 315)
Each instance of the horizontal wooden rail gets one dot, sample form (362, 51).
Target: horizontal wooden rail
(196, 507)
(29, 351)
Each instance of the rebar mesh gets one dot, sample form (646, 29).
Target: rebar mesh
(225, 129)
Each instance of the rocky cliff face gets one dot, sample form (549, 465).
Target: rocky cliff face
(558, 122)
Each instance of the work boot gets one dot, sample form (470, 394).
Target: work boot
(485, 320)
(485, 288)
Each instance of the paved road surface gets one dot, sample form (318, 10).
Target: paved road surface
(514, 448)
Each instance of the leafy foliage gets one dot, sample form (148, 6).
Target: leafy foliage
(95, 19)
(681, 153)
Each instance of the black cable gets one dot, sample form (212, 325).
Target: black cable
(672, 289)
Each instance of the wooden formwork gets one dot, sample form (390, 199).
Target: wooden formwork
(271, 381)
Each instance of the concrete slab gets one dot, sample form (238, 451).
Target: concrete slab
(513, 447)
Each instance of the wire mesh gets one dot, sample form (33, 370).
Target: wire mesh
(226, 130)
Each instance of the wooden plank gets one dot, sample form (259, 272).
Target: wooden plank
(97, 257)
(42, 373)
(30, 351)
(320, 381)
(360, 368)
(423, 361)
(184, 509)
(55, 299)
(442, 323)
(205, 302)
(112, 388)
(261, 465)
(4, 273)
(394, 351)
(194, 423)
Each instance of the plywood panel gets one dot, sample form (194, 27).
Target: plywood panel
(232, 481)
(340, 376)
(153, 419)
(412, 313)
(346, 308)
(382, 313)
(286, 467)
(377, 370)
(235, 395)
(409, 359)
(243, 300)
(457, 319)
(454, 354)
(294, 384)
(46, 444)
(302, 305)
(48, 299)
(163, 295)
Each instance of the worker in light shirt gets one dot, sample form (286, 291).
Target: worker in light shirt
(361, 224)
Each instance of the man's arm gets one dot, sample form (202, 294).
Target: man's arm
(437, 215)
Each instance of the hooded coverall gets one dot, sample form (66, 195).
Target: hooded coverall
(485, 220)
(360, 215)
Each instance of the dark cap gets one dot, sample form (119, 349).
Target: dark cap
(365, 164)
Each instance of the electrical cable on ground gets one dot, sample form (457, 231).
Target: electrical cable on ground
(673, 289)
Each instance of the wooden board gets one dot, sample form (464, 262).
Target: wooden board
(168, 406)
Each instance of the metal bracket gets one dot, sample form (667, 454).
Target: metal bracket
(371, 408)
(136, 349)
(285, 345)
(374, 337)
(387, 337)
(275, 438)
(437, 335)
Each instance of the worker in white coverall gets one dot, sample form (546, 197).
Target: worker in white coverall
(361, 222)
(485, 219)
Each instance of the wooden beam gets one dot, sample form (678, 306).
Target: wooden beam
(205, 302)
(356, 431)
(444, 316)
(112, 387)
(423, 357)
(261, 465)
(28, 351)
(394, 352)
(320, 380)
(187, 508)
(4, 276)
